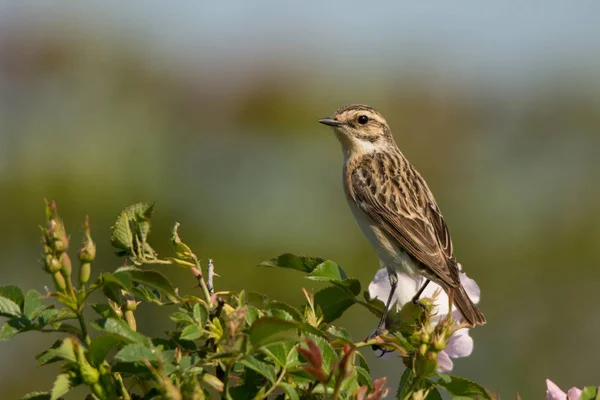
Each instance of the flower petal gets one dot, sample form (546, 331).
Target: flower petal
(460, 344)
(445, 364)
(553, 392)
(574, 393)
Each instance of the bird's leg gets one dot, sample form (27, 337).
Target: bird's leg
(393, 285)
(415, 298)
(381, 327)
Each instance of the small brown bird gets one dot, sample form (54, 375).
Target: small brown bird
(395, 208)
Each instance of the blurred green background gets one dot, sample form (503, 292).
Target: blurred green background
(209, 109)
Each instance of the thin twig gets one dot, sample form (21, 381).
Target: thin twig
(281, 375)
(210, 276)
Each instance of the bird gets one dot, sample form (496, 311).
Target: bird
(395, 208)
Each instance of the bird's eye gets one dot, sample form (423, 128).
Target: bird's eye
(363, 119)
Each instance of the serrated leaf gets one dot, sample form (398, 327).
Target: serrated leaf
(136, 353)
(339, 332)
(153, 278)
(9, 308)
(100, 347)
(589, 393)
(252, 314)
(459, 386)
(278, 352)
(104, 310)
(289, 390)
(62, 385)
(191, 332)
(181, 317)
(269, 330)
(263, 368)
(278, 305)
(8, 331)
(327, 353)
(406, 381)
(364, 377)
(60, 350)
(33, 305)
(37, 396)
(200, 314)
(300, 263)
(434, 394)
(327, 271)
(52, 315)
(13, 293)
(121, 330)
(333, 302)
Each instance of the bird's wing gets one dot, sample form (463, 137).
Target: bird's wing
(405, 212)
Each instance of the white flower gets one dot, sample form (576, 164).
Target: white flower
(553, 392)
(460, 343)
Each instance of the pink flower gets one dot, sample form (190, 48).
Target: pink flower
(553, 392)
(460, 343)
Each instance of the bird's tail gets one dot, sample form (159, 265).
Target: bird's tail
(470, 312)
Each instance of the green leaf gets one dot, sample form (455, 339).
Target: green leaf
(9, 308)
(152, 278)
(136, 353)
(406, 381)
(100, 347)
(191, 332)
(364, 377)
(333, 302)
(327, 352)
(290, 391)
(252, 314)
(8, 330)
(200, 314)
(278, 352)
(60, 350)
(434, 394)
(13, 293)
(34, 305)
(270, 330)
(181, 317)
(121, 330)
(327, 271)
(37, 396)
(340, 333)
(104, 310)
(589, 393)
(52, 315)
(300, 263)
(62, 385)
(263, 368)
(279, 305)
(459, 386)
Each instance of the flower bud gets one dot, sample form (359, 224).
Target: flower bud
(439, 342)
(87, 253)
(59, 282)
(66, 268)
(426, 366)
(51, 264)
(85, 270)
(130, 319)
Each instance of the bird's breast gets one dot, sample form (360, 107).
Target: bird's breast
(389, 252)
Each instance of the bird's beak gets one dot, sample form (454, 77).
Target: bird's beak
(330, 121)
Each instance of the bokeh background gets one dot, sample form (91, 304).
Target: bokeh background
(210, 108)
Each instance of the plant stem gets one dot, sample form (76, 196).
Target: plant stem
(226, 394)
(84, 333)
(281, 375)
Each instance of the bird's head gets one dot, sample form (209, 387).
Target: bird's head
(360, 129)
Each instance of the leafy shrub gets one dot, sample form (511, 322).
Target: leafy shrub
(223, 344)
